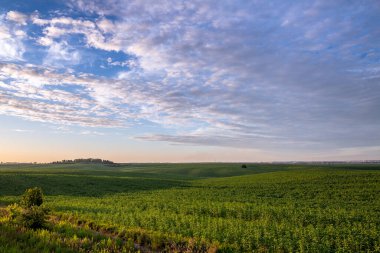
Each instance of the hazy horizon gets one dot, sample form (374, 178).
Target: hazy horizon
(199, 81)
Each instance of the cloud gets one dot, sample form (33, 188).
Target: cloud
(11, 42)
(95, 33)
(131, 63)
(17, 17)
(61, 54)
(22, 130)
(241, 74)
(93, 133)
(38, 93)
(45, 41)
(106, 26)
(241, 67)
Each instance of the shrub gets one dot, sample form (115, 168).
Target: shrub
(14, 212)
(30, 213)
(32, 197)
(34, 217)
(244, 166)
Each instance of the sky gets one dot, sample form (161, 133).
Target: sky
(189, 81)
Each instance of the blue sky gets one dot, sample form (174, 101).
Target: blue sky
(189, 80)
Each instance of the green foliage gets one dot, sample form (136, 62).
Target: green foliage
(30, 213)
(33, 217)
(32, 197)
(200, 207)
(14, 212)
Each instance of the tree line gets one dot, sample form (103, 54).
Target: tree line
(84, 160)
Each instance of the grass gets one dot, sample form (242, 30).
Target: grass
(200, 207)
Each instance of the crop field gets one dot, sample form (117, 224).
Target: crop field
(196, 208)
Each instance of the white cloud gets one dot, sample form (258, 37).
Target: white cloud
(48, 106)
(22, 130)
(97, 40)
(60, 53)
(39, 93)
(37, 20)
(55, 32)
(20, 33)
(45, 41)
(106, 25)
(131, 63)
(11, 45)
(62, 26)
(17, 17)
(92, 133)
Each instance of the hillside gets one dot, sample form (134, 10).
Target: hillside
(198, 207)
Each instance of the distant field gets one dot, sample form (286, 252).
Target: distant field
(219, 207)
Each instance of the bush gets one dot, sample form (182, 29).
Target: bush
(34, 217)
(30, 213)
(32, 197)
(244, 166)
(14, 212)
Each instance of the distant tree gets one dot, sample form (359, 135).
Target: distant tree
(107, 162)
(244, 166)
(85, 161)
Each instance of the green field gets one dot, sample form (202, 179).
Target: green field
(197, 207)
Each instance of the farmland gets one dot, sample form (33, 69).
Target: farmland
(197, 207)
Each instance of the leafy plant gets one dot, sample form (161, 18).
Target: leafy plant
(14, 212)
(30, 213)
(32, 197)
(33, 217)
